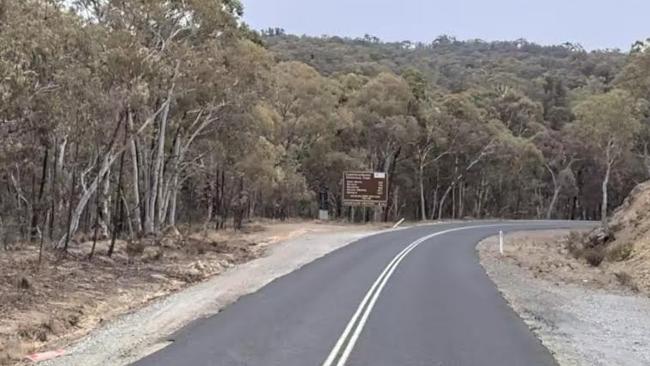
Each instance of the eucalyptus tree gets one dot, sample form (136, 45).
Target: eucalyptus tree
(607, 125)
(381, 110)
(558, 159)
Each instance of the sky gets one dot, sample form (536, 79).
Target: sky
(595, 24)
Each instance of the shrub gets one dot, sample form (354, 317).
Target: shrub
(626, 280)
(574, 243)
(620, 252)
(594, 256)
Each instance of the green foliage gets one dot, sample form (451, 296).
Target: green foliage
(635, 76)
(607, 122)
(223, 122)
(454, 65)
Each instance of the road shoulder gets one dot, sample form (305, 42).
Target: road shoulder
(584, 316)
(137, 334)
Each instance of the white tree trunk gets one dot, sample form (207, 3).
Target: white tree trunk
(83, 201)
(610, 155)
(108, 160)
(61, 158)
(461, 200)
(136, 176)
(172, 210)
(150, 218)
(556, 193)
(551, 206)
(441, 205)
(171, 184)
(603, 208)
(484, 152)
(423, 207)
(104, 204)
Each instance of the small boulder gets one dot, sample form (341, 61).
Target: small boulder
(599, 237)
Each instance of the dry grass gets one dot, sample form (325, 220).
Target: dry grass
(620, 252)
(594, 256)
(626, 248)
(576, 245)
(48, 307)
(553, 256)
(625, 279)
(44, 307)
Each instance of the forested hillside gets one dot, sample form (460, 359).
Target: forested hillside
(122, 118)
(553, 138)
(455, 65)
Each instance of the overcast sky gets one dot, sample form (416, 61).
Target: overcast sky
(592, 23)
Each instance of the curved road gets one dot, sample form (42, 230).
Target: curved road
(413, 297)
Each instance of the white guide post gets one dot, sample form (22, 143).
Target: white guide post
(501, 242)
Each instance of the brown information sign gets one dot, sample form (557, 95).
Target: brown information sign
(364, 188)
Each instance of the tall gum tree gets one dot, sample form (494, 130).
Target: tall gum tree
(607, 124)
(381, 108)
(635, 78)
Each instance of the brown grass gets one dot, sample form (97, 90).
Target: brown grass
(620, 252)
(43, 307)
(625, 279)
(594, 256)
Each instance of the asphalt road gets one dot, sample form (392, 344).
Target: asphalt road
(412, 297)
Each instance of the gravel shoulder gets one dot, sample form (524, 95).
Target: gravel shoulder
(142, 332)
(585, 316)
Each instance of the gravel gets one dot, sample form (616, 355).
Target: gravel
(579, 324)
(137, 334)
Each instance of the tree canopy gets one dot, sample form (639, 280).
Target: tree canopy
(129, 117)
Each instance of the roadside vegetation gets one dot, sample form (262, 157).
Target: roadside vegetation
(585, 315)
(624, 249)
(44, 308)
(580, 290)
(124, 118)
(125, 123)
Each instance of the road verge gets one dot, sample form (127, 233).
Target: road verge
(137, 334)
(585, 316)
